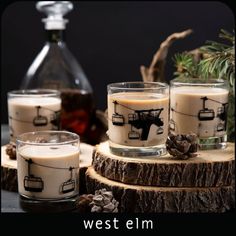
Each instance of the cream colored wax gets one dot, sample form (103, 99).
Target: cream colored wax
(24, 116)
(49, 175)
(187, 113)
(142, 113)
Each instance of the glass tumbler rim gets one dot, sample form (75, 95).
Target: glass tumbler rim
(34, 93)
(22, 138)
(198, 82)
(130, 85)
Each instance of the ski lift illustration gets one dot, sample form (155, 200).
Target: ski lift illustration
(31, 182)
(40, 120)
(11, 131)
(153, 114)
(160, 130)
(206, 114)
(132, 117)
(221, 111)
(117, 119)
(220, 127)
(172, 125)
(133, 134)
(69, 185)
(55, 120)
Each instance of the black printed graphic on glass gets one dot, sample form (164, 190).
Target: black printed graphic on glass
(69, 185)
(55, 120)
(40, 120)
(117, 119)
(172, 124)
(140, 119)
(143, 119)
(207, 114)
(133, 134)
(31, 182)
(35, 184)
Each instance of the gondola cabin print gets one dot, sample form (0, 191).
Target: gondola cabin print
(32, 183)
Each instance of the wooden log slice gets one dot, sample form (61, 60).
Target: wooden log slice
(211, 168)
(147, 199)
(9, 168)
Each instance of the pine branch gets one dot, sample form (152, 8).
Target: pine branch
(218, 60)
(224, 34)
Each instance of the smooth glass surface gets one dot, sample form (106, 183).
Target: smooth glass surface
(138, 115)
(48, 169)
(33, 110)
(200, 106)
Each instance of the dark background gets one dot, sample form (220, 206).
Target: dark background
(110, 39)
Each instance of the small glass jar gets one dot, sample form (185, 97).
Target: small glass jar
(200, 106)
(48, 170)
(33, 110)
(138, 118)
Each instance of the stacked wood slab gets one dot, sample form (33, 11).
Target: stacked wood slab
(164, 184)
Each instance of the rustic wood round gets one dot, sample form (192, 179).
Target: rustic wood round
(211, 168)
(148, 199)
(9, 168)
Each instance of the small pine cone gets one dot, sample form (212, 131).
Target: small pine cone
(83, 204)
(11, 151)
(182, 146)
(103, 201)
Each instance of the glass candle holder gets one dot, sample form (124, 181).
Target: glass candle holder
(33, 110)
(48, 170)
(200, 106)
(138, 118)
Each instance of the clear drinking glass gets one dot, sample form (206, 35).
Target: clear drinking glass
(200, 106)
(138, 118)
(48, 170)
(33, 110)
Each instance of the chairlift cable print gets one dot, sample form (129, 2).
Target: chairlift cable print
(140, 119)
(38, 120)
(52, 167)
(207, 114)
(32, 183)
(69, 185)
(117, 119)
(35, 184)
(182, 113)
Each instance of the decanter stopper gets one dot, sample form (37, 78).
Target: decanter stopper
(55, 11)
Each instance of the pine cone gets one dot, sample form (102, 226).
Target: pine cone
(11, 150)
(182, 146)
(103, 201)
(83, 204)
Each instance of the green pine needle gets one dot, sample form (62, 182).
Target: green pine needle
(185, 65)
(218, 61)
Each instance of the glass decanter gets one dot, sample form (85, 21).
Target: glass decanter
(56, 68)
